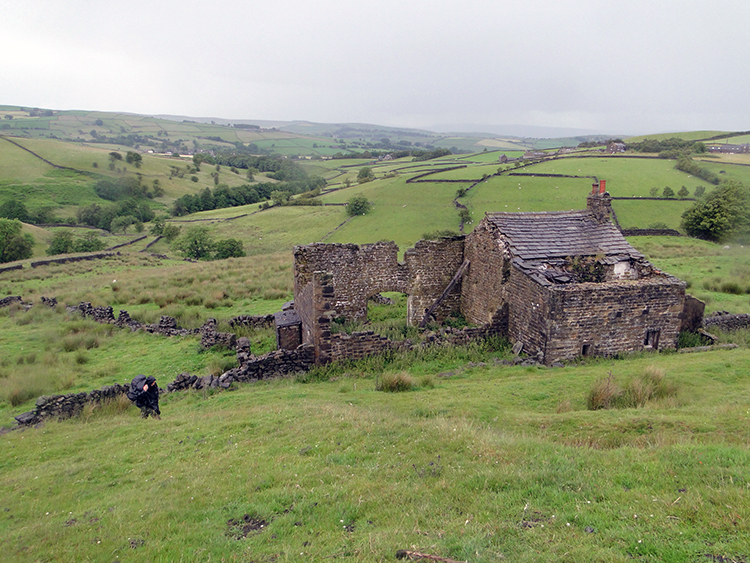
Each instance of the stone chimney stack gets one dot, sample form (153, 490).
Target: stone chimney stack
(599, 203)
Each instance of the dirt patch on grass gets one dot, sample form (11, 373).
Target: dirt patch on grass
(243, 527)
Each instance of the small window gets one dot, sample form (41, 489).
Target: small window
(652, 339)
(586, 350)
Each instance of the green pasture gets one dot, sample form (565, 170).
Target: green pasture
(37, 184)
(685, 135)
(401, 212)
(634, 214)
(490, 156)
(626, 177)
(738, 140)
(718, 274)
(727, 170)
(470, 172)
(526, 193)
(278, 229)
(477, 464)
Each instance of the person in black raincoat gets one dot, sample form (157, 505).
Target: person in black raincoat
(145, 394)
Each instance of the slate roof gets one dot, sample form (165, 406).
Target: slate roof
(540, 241)
(286, 318)
(545, 235)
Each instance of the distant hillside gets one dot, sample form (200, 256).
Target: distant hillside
(185, 135)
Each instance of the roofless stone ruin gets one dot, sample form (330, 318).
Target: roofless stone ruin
(557, 284)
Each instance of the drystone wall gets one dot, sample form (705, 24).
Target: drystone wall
(727, 322)
(358, 345)
(67, 406)
(65, 260)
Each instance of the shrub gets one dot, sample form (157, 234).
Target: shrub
(687, 339)
(435, 235)
(603, 394)
(637, 392)
(358, 205)
(61, 243)
(365, 175)
(395, 382)
(229, 248)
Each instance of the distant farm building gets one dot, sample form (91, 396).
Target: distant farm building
(726, 148)
(613, 148)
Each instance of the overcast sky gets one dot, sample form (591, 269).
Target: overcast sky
(627, 67)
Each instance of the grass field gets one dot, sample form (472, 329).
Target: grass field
(686, 135)
(626, 177)
(481, 464)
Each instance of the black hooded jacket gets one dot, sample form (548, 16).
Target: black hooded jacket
(148, 399)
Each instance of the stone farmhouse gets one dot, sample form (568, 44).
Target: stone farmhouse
(558, 284)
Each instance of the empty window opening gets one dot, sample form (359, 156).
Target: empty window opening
(586, 350)
(652, 339)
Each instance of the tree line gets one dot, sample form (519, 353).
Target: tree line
(223, 196)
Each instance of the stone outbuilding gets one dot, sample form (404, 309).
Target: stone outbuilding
(567, 284)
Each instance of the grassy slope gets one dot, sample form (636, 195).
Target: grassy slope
(480, 468)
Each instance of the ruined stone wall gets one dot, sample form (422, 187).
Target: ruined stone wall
(612, 317)
(358, 272)
(484, 287)
(67, 406)
(359, 345)
(692, 314)
(288, 337)
(336, 280)
(431, 265)
(527, 312)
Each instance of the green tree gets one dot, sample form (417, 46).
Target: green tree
(13, 244)
(198, 159)
(722, 214)
(365, 175)
(683, 193)
(114, 156)
(668, 192)
(229, 248)
(699, 191)
(171, 232)
(654, 192)
(358, 205)
(90, 242)
(13, 209)
(122, 223)
(196, 243)
(61, 243)
(279, 197)
(133, 158)
(157, 225)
